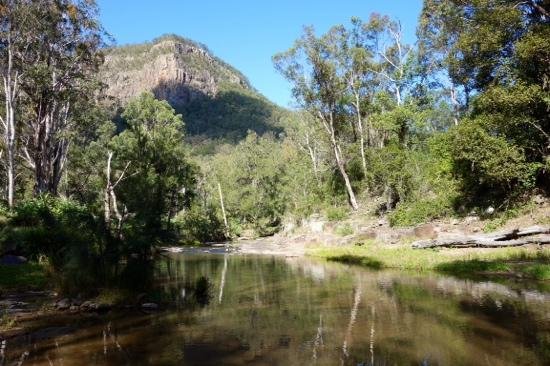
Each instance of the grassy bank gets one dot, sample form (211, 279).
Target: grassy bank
(30, 276)
(532, 263)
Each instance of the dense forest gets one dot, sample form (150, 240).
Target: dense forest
(459, 121)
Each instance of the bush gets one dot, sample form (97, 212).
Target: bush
(336, 213)
(344, 230)
(417, 212)
(60, 229)
(489, 167)
(200, 225)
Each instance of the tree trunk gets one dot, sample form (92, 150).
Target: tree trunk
(223, 210)
(106, 194)
(342, 169)
(10, 79)
(361, 134)
(329, 126)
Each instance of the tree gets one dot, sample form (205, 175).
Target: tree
(253, 179)
(63, 57)
(497, 51)
(15, 28)
(318, 86)
(157, 179)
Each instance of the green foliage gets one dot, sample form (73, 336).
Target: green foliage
(488, 165)
(59, 229)
(336, 213)
(344, 230)
(159, 173)
(253, 177)
(231, 114)
(497, 51)
(23, 277)
(420, 211)
(199, 225)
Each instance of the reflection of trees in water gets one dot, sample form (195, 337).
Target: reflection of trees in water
(275, 313)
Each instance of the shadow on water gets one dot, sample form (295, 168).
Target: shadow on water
(358, 260)
(232, 310)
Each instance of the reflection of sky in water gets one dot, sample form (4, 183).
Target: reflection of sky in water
(234, 310)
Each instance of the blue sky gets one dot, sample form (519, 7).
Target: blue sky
(246, 33)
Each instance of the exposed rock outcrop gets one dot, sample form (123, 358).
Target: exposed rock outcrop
(215, 99)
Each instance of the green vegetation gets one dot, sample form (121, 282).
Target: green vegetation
(445, 127)
(513, 262)
(29, 276)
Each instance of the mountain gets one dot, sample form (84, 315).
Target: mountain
(215, 99)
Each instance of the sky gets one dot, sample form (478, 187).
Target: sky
(246, 33)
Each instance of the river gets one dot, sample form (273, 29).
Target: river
(256, 310)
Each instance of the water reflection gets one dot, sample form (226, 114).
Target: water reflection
(235, 310)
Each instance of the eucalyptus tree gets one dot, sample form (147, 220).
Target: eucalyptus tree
(319, 87)
(15, 33)
(63, 55)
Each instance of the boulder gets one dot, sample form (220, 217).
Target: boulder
(426, 231)
(367, 235)
(63, 304)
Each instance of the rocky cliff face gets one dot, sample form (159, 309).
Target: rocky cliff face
(175, 69)
(215, 99)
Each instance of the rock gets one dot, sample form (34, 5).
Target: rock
(539, 199)
(455, 222)
(74, 308)
(12, 260)
(316, 226)
(426, 231)
(367, 235)
(63, 304)
(490, 210)
(87, 305)
(471, 219)
(149, 306)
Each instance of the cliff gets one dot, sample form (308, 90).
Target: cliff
(215, 99)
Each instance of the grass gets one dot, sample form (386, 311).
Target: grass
(23, 277)
(344, 230)
(519, 262)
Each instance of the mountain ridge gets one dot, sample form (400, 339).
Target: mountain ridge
(215, 98)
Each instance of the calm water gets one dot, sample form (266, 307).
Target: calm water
(237, 310)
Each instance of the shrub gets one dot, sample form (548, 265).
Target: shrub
(336, 213)
(60, 229)
(199, 225)
(416, 212)
(344, 230)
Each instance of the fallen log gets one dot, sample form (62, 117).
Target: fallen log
(513, 238)
(519, 233)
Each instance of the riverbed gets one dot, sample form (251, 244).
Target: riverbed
(235, 309)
